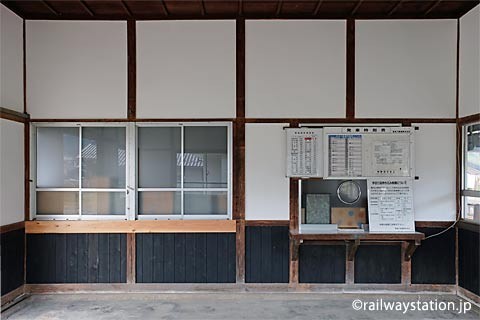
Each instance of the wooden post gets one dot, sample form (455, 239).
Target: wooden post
(350, 84)
(131, 258)
(132, 70)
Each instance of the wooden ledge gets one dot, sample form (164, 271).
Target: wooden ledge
(137, 226)
(12, 227)
(363, 236)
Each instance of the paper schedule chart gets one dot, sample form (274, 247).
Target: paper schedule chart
(345, 156)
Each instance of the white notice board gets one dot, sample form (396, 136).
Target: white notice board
(390, 205)
(304, 152)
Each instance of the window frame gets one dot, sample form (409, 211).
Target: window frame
(33, 173)
(463, 191)
(182, 189)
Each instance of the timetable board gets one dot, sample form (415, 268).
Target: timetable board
(304, 152)
(390, 205)
(354, 153)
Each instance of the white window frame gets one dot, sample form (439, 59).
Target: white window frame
(463, 192)
(182, 189)
(129, 205)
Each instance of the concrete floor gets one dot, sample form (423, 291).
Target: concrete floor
(225, 306)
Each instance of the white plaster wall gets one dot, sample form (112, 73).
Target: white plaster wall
(405, 68)
(11, 60)
(76, 69)
(266, 184)
(469, 72)
(11, 172)
(186, 69)
(434, 193)
(295, 68)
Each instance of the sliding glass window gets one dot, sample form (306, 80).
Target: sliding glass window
(184, 171)
(81, 171)
(471, 173)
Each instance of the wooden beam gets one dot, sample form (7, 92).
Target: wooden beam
(132, 70)
(52, 9)
(131, 258)
(87, 8)
(469, 119)
(394, 8)
(126, 8)
(12, 227)
(134, 226)
(13, 115)
(355, 9)
(317, 7)
(279, 8)
(240, 251)
(267, 223)
(240, 8)
(202, 8)
(350, 84)
(433, 6)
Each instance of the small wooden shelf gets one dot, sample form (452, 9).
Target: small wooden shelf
(353, 239)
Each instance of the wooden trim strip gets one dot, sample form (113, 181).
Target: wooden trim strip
(470, 226)
(137, 226)
(132, 69)
(26, 176)
(353, 121)
(13, 115)
(12, 227)
(469, 119)
(267, 223)
(12, 296)
(464, 293)
(131, 257)
(350, 63)
(433, 224)
(236, 287)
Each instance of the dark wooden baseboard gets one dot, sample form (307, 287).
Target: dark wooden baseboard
(13, 295)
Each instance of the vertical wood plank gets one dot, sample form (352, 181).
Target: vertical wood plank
(179, 258)
(123, 258)
(82, 265)
(104, 265)
(212, 258)
(148, 257)
(169, 254)
(240, 251)
(231, 254)
(131, 257)
(350, 85)
(72, 258)
(61, 258)
(92, 250)
(222, 264)
(139, 258)
(240, 67)
(201, 257)
(266, 254)
(132, 69)
(190, 258)
(158, 258)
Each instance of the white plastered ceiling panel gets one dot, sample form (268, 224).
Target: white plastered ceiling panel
(11, 172)
(405, 68)
(295, 69)
(266, 184)
(469, 72)
(434, 192)
(11, 60)
(76, 69)
(186, 69)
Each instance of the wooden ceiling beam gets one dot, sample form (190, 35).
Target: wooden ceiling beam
(356, 8)
(317, 7)
(52, 9)
(165, 9)
(433, 6)
(87, 8)
(240, 8)
(126, 8)
(395, 7)
(202, 7)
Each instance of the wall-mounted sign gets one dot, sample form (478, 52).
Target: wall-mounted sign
(304, 152)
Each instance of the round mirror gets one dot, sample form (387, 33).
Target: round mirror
(349, 192)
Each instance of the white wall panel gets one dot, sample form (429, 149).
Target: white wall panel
(295, 69)
(434, 193)
(266, 186)
(77, 69)
(405, 68)
(469, 99)
(11, 172)
(11, 61)
(186, 69)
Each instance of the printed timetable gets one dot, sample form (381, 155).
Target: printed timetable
(345, 156)
(304, 152)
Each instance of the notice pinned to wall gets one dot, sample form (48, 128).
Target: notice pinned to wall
(390, 205)
(304, 152)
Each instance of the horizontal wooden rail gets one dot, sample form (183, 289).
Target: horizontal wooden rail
(12, 227)
(137, 226)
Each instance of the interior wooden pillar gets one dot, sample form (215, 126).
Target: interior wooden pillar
(132, 70)
(350, 63)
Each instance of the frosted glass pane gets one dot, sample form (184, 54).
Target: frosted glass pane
(205, 159)
(103, 157)
(57, 202)
(205, 202)
(165, 202)
(57, 157)
(94, 203)
(158, 149)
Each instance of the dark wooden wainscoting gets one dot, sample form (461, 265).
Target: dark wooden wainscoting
(76, 258)
(266, 254)
(322, 264)
(378, 264)
(468, 259)
(12, 256)
(185, 258)
(434, 261)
